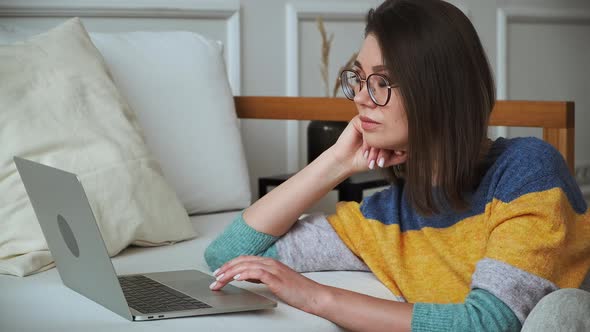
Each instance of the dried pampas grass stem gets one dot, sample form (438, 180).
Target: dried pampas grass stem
(324, 67)
(326, 45)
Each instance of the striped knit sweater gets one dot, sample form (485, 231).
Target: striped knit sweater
(526, 234)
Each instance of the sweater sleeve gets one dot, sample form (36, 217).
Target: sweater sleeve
(481, 311)
(310, 245)
(239, 239)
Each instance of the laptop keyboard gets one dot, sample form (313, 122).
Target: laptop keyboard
(148, 296)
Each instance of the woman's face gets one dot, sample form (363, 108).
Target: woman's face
(384, 127)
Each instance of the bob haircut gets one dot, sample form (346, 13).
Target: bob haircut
(431, 49)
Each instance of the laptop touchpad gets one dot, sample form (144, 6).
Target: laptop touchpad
(192, 282)
(196, 284)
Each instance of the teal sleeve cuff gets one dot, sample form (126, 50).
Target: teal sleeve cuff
(239, 239)
(482, 311)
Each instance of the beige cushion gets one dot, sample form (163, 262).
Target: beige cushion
(176, 83)
(59, 106)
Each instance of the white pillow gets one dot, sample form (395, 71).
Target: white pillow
(59, 106)
(177, 84)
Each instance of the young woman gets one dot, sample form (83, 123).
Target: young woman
(470, 235)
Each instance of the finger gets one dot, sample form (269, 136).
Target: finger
(372, 159)
(396, 157)
(224, 274)
(366, 149)
(382, 156)
(229, 275)
(238, 260)
(266, 277)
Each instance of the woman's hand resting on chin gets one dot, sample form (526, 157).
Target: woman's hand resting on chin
(353, 150)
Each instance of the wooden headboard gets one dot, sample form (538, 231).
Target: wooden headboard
(555, 117)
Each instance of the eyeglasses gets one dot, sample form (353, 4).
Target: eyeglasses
(378, 85)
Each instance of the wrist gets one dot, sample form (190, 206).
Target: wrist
(343, 166)
(322, 301)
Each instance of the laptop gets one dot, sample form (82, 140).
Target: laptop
(84, 265)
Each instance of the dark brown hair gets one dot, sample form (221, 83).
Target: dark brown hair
(431, 49)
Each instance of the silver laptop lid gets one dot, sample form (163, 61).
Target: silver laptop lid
(72, 234)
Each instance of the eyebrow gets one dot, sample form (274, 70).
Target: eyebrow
(375, 68)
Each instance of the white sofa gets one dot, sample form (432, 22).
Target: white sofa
(40, 302)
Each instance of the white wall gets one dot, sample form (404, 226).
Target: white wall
(546, 44)
(277, 45)
(547, 58)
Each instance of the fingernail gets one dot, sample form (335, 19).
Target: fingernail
(381, 162)
(372, 164)
(220, 276)
(216, 271)
(237, 276)
(366, 154)
(213, 285)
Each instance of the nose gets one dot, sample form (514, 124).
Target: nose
(362, 98)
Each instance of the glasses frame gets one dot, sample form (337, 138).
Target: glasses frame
(365, 81)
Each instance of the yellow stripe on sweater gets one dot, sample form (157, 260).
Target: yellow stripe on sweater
(436, 264)
(541, 233)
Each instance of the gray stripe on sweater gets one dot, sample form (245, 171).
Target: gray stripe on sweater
(518, 289)
(313, 245)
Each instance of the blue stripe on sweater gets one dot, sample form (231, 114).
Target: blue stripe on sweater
(521, 166)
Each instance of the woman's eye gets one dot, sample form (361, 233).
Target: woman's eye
(354, 80)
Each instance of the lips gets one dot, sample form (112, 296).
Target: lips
(368, 123)
(367, 119)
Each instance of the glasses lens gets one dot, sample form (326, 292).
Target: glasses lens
(350, 84)
(378, 89)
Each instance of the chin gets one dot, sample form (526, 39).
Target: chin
(379, 143)
(374, 140)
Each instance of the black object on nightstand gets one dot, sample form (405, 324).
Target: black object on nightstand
(350, 189)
